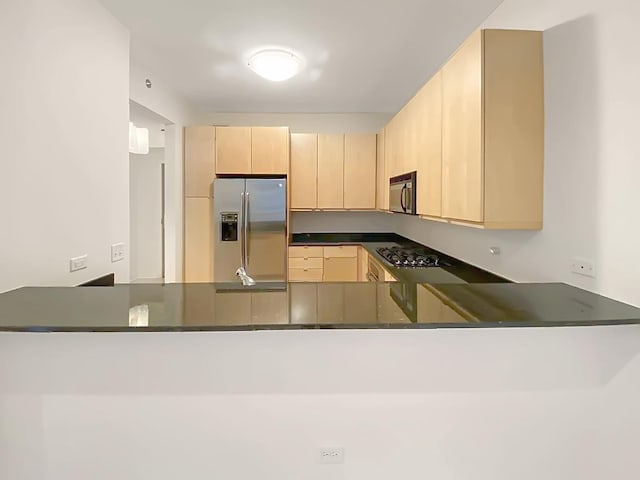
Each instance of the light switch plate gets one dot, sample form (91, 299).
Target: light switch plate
(78, 263)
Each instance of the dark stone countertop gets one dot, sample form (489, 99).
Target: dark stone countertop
(281, 306)
(452, 270)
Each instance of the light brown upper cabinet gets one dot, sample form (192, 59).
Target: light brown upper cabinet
(493, 131)
(330, 171)
(233, 150)
(360, 171)
(426, 147)
(382, 180)
(199, 160)
(252, 150)
(269, 150)
(304, 170)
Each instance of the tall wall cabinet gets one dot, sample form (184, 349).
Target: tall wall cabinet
(493, 130)
(475, 134)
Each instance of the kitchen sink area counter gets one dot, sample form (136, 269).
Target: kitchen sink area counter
(327, 305)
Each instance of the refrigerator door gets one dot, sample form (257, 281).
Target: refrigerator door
(228, 198)
(266, 229)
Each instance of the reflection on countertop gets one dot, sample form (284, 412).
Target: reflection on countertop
(177, 307)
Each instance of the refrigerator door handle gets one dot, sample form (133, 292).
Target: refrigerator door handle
(242, 232)
(246, 229)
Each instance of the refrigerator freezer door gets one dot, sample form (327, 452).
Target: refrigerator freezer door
(266, 228)
(228, 194)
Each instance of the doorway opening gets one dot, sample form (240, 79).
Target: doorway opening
(147, 193)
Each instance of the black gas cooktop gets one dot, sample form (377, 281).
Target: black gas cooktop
(402, 257)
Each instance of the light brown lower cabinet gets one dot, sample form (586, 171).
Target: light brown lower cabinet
(340, 269)
(198, 240)
(363, 264)
(305, 274)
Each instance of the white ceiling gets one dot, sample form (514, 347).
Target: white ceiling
(361, 55)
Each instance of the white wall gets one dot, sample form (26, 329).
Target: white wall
(162, 100)
(304, 122)
(454, 404)
(146, 214)
(332, 222)
(65, 70)
(592, 164)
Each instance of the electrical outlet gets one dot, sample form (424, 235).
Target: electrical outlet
(583, 267)
(78, 263)
(331, 455)
(117, 252)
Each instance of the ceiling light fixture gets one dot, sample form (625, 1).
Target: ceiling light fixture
(275, 64)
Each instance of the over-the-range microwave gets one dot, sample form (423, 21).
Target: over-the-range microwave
(402, 194)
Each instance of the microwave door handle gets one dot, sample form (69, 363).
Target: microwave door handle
(402, 205)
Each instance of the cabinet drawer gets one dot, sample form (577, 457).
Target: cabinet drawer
(341, 251)
(305, 274)
(305, 252)
(338, 269)
(297, 262)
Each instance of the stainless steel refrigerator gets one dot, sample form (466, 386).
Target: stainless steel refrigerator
(250, 218)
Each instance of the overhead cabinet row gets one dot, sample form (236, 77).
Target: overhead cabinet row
(211, 151)
(475, 134)
(333, 171)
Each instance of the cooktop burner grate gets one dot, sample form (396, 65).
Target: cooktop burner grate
(401, 257)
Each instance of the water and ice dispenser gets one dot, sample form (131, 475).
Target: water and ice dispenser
(229, 226)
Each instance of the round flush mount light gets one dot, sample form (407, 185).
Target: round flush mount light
(275, 64)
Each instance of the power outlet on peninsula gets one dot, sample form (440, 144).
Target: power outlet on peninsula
(331, 455)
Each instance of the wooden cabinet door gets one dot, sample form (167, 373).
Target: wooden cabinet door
(198, 240)
(233, 150)
(337, 269)
(390, 150)
(303, 180)
(340, 251)
(269, 150)
(382, 180)
(330, 171)
(462, 133)
(360, 171)
(363, 264)
(306, 251)
(428, 146)
(199, 160)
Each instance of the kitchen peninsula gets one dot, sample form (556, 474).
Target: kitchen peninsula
(281, 306)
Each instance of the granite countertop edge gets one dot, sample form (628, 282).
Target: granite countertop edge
(326, 326)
